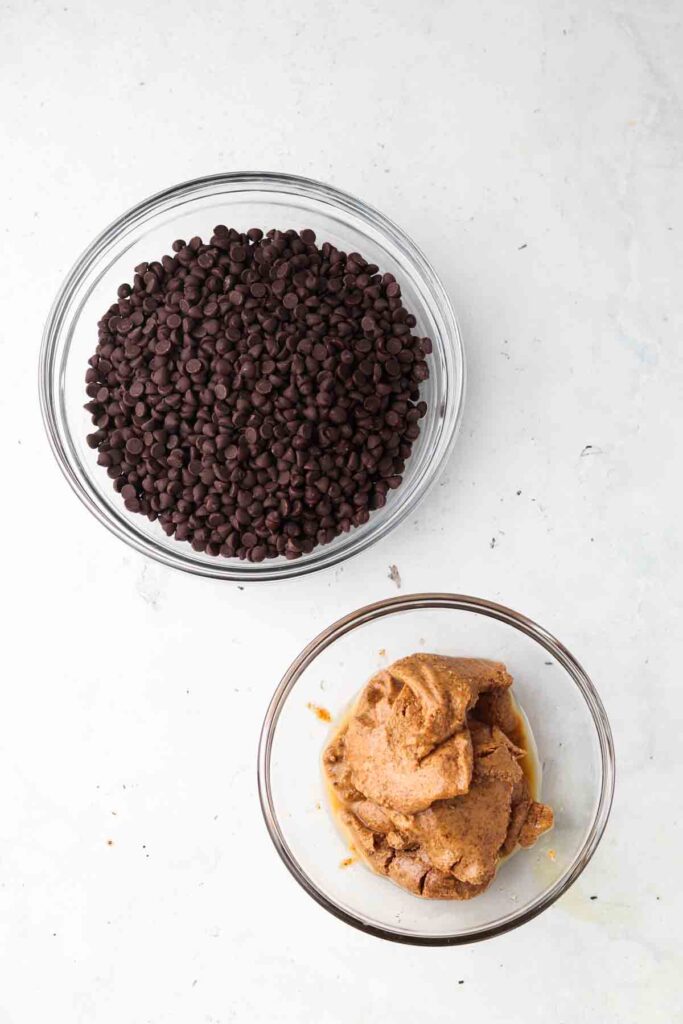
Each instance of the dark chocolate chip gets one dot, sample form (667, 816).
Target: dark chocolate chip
(258, 395)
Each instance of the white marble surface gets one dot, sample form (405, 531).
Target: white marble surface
(533, 149)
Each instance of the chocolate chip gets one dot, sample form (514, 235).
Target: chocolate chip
(257, 394)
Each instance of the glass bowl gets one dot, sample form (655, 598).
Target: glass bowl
(241, 201)
(567, 720)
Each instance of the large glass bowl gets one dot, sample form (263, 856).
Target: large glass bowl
(241, 201)
(567, 720)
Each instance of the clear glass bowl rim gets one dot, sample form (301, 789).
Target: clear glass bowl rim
(460, 602)
(243, 181)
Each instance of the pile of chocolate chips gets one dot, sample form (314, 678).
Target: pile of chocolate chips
(256, 394)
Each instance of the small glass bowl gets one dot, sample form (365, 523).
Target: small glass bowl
(241, 201)
(567, 720)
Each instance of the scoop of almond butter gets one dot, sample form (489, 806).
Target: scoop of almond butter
(427, 772)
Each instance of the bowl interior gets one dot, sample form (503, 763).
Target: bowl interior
(569, 750)
(147, 234)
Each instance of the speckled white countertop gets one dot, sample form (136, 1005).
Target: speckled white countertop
(533, 149)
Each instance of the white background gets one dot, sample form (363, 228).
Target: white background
(533, 149)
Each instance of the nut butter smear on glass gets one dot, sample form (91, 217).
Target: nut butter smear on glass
(430, 775)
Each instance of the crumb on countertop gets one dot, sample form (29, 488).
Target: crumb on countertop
(395, 576)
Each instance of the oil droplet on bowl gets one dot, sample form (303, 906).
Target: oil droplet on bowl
(322, 713)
